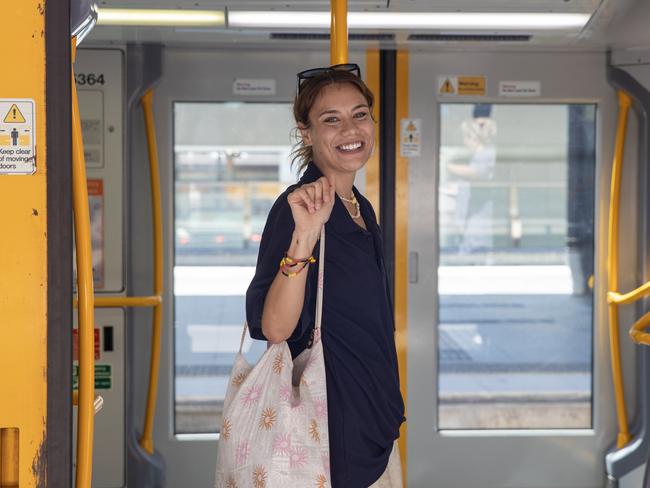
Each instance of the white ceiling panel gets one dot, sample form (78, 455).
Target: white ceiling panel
(586, 6)
(598, 33)
(242, 4)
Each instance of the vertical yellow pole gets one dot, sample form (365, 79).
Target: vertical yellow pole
(154, 368)
(624, 103)
(401, 240)
(86, 412)
(372, 166)
(339, 32)
(23, 253)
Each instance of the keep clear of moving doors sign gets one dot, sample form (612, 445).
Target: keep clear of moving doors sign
(17, 137)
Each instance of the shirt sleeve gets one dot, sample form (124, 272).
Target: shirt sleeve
(276, 239)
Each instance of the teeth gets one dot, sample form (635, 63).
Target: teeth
(350, 147)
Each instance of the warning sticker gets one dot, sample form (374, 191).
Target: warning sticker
(75, 344)
(462, 86)
(17, 137)
(410, 137)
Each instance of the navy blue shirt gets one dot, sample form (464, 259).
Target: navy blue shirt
(365, 405)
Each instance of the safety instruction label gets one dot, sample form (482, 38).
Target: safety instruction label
(520, 88)
(17, 136)
(462, 86)
(75, 344)
(410, 137)
(253, 86)
(103, 376)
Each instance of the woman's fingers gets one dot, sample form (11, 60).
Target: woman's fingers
(318, 194)
(325, 186)
(311, 191)
(308, 197)
(314, 195)
(301, 196)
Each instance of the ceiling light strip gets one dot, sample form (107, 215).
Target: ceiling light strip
(159, 17)
(409, 20)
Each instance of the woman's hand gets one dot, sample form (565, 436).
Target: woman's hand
(311, 204)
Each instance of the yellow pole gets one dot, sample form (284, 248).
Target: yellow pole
(637, 332)
(339, 32)
(612, 269)
(401, 243)
(147, 436)
(116, 302)
(86, 413)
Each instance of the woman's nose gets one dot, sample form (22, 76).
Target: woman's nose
(348, 126)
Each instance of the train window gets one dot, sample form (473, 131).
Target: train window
(516, 252)
(230, 163)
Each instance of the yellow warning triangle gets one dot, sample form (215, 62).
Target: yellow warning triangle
(447, 87)
(14, 115)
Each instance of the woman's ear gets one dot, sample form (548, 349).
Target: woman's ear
(304, 134)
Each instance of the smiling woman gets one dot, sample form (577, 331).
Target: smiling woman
(333, 112)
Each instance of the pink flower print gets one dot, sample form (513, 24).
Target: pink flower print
(253, 395)
(320, 408)
(241, 453)
(285, 393)
(297, 405)
(298, 457)
(325, 459)
(282, 444)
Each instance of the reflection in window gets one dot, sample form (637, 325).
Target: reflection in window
(231, 161)
(516, 223)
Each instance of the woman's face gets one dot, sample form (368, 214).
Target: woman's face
(342, 132)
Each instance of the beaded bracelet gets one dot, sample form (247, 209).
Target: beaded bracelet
(288, 263)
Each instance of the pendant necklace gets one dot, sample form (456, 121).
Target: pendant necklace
(354, 202)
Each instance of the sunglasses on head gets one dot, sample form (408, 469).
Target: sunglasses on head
(314, 72)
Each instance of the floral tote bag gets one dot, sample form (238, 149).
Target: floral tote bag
(274, 429)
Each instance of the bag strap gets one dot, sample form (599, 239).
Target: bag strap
(321, 280)
(319, 293)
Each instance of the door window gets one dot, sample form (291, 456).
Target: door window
(516, 240)
(231, 161)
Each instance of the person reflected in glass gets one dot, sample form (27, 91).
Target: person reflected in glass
(474, 210)
(336, 137)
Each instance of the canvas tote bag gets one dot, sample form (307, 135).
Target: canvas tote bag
(274, 429)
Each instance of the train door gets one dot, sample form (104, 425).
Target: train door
(224, 129)
(509, 377)
(100, 85)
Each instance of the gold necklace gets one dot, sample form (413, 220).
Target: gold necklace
(354, 202)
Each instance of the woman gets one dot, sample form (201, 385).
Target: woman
(333, 112)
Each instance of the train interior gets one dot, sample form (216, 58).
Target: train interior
(511, 181)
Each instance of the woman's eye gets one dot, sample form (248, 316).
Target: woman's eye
(331, 120)
(360, 115)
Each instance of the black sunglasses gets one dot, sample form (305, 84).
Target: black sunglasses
(314, 72)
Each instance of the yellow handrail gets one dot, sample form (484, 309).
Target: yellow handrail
(146, 441)
(117, 302)
(631, 297)
(637, 332)
(339, 32)
(86, 413)
(624, 103)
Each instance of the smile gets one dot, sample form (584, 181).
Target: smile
(351, 147)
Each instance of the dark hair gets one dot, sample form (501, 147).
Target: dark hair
(304, 101)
